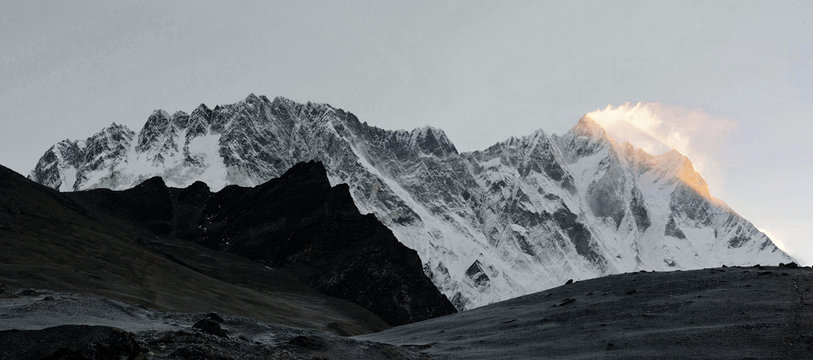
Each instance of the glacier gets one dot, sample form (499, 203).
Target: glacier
(521, 216)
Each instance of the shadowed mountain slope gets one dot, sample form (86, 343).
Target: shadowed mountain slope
(299, 222)
(121, 245)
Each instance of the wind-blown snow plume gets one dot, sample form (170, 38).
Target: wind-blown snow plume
(657, 128)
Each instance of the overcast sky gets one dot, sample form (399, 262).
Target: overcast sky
(482, 71)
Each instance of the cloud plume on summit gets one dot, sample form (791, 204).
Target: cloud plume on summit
(657, 128)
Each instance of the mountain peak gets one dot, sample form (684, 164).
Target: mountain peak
(673, 155)
(252, 98)
(155, 182)
(587, 126)
(312, 168)
(432, 140)
(178, 114)
(114, 125)
(280, 100)
(201, 108)
(113, 130)
(160, 113)
(674, 163)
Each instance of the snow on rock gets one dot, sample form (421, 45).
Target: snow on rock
(521, 216)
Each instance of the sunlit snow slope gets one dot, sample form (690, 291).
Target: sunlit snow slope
(521, 216)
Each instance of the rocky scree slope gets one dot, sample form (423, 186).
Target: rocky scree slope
(523, 215)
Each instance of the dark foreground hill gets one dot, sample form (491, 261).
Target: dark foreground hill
(146, 246)
(48, 240)
(720, 313)
(297, 222)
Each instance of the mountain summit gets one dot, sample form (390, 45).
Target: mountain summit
(523, 215)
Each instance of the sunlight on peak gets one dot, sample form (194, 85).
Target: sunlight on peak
(692, 178)
(641, 126)
(658, 128)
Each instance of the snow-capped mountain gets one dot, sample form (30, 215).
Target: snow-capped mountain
(523, 215)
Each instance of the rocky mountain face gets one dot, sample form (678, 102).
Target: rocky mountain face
(523, 215)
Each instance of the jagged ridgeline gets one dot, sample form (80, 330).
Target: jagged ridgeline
(523, 215)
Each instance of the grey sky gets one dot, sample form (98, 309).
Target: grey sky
(482, 71)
